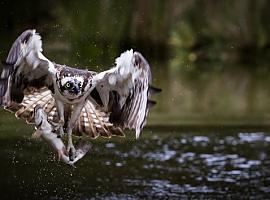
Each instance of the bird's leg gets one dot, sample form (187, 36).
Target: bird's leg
(71, 123)
(70, 147)
(60, 109)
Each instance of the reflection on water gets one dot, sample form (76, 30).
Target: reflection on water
(159, 165)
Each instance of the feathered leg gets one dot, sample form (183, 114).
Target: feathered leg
(60, 109)
(71, 123)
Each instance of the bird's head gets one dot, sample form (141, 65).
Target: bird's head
(72, 86)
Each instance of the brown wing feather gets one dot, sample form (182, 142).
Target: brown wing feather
(33, 97)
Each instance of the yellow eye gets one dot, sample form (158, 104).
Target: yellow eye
(67, 85)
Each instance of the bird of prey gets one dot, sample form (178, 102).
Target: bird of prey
(81, 102)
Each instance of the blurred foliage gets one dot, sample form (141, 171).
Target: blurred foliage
(222, 31)
(94, 32)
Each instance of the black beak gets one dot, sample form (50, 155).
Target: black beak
(76, 89)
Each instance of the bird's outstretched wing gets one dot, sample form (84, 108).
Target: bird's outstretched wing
(124, 91)
(24, 67)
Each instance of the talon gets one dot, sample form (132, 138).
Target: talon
(72, 153)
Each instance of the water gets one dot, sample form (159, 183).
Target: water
(160, 165)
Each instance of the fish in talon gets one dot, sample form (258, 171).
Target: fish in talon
(81, 150)
(45, 130)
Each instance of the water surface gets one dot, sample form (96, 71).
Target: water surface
(161, 165)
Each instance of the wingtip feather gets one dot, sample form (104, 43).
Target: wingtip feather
(27, 41)
(151, 103)
(154, 90)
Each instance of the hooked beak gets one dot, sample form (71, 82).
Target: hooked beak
(76, 89)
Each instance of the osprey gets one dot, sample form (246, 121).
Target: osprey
(78, 101)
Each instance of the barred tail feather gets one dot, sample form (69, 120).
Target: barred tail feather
(94, 123)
